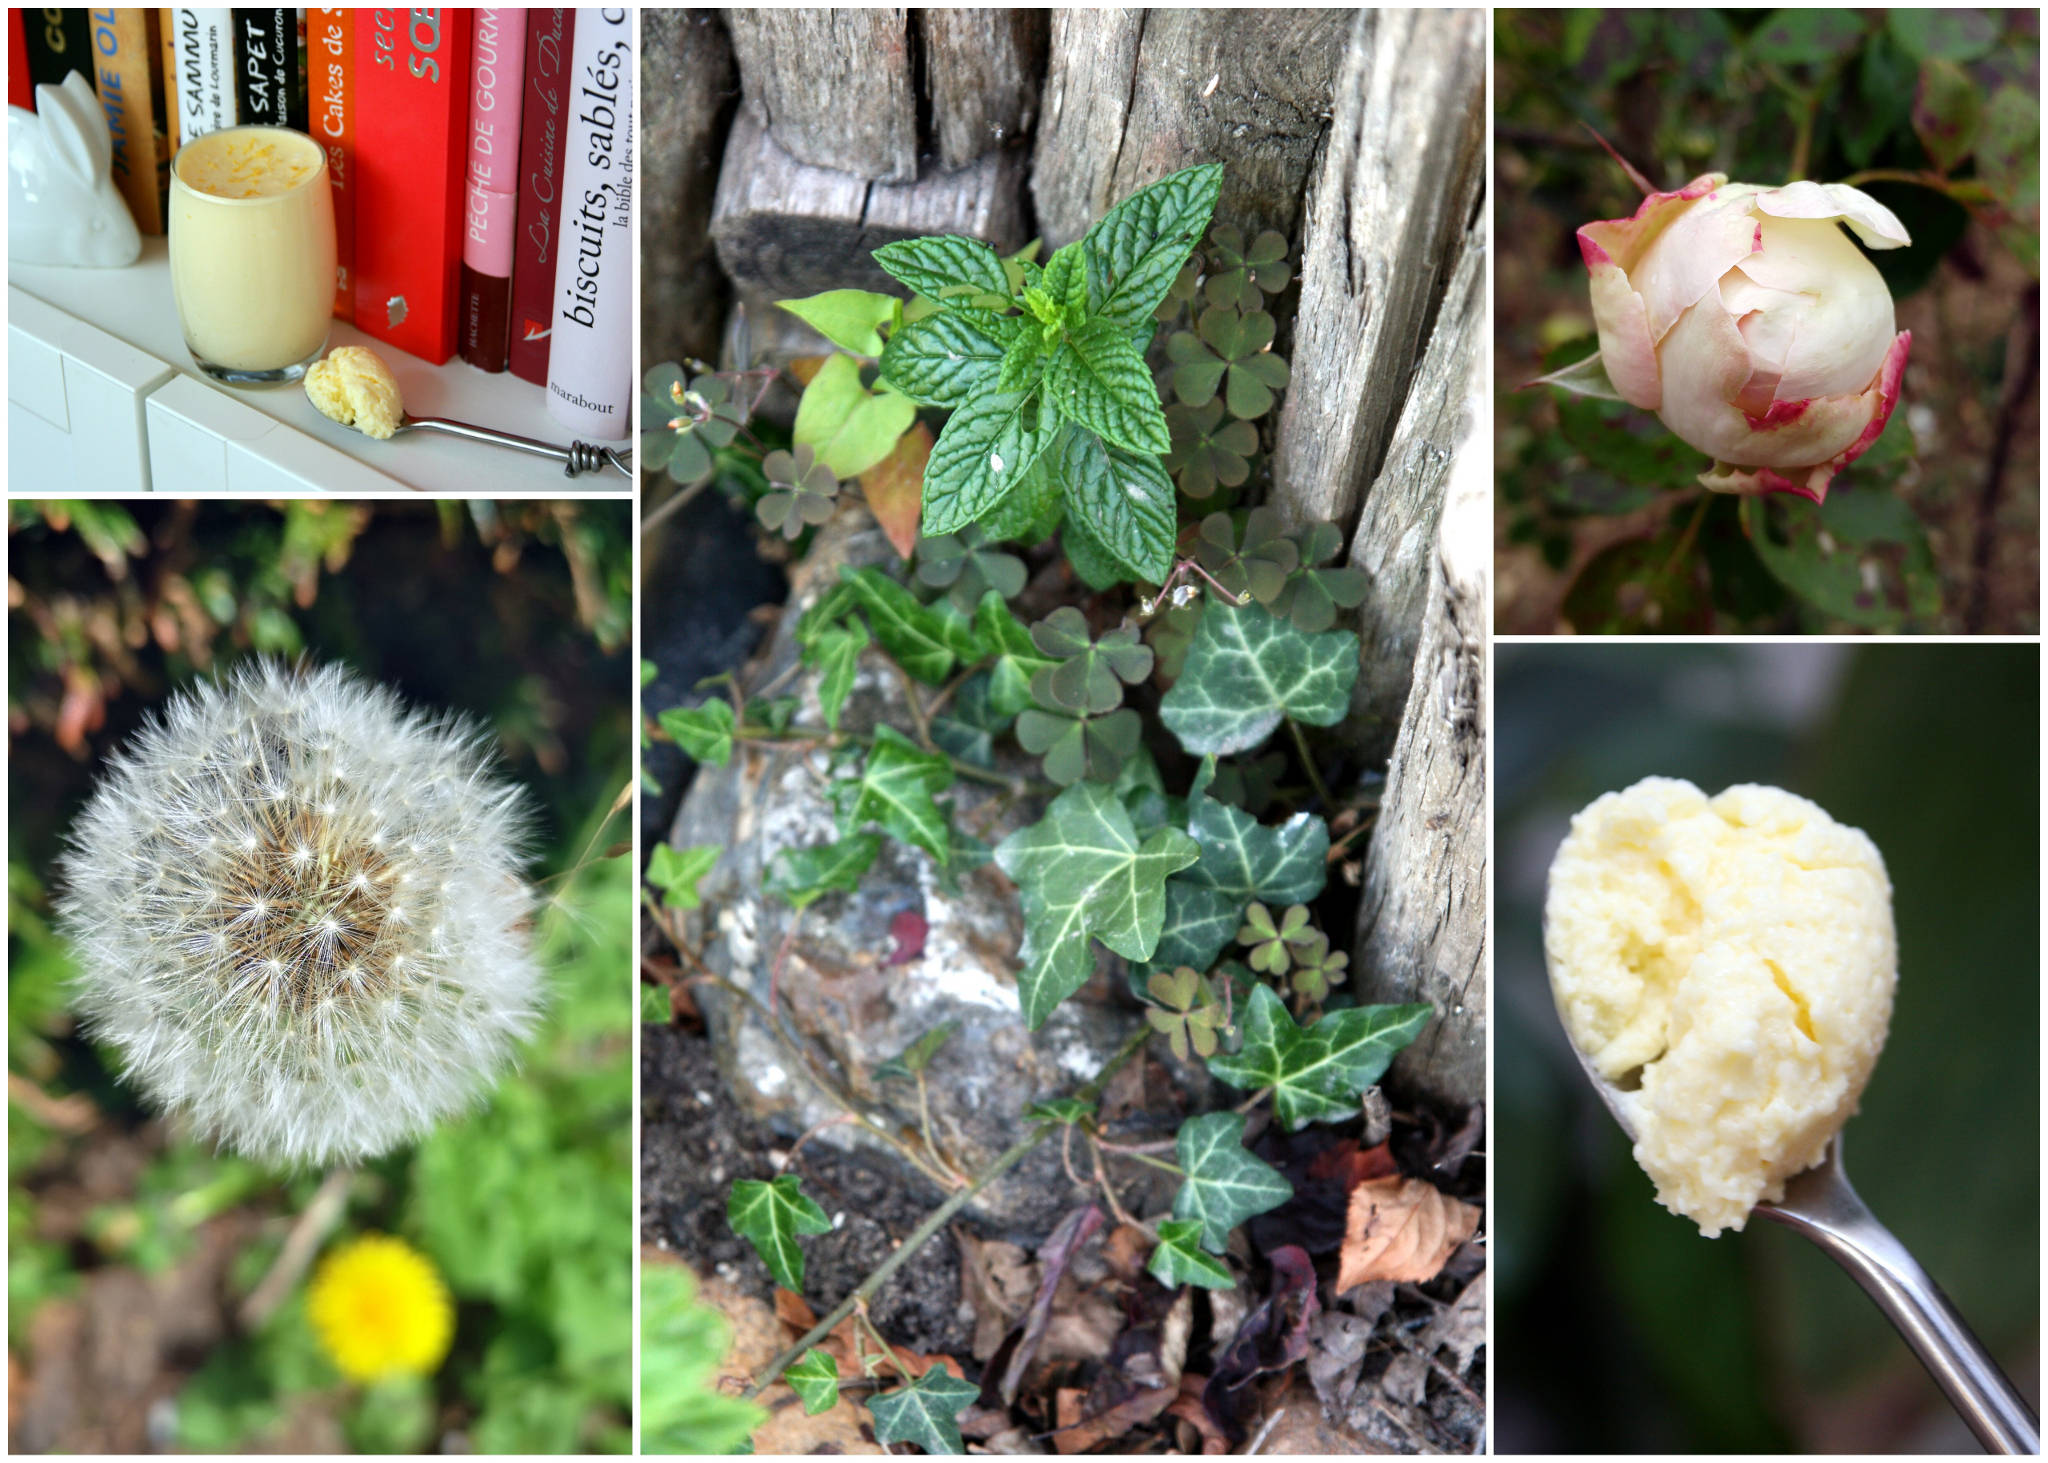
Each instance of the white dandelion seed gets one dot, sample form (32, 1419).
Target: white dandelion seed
(230, 901)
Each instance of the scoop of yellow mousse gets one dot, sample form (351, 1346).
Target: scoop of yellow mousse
(356, 388)
(1728, 963)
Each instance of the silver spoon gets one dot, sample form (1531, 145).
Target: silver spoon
(577, 457)
(1821, 1205)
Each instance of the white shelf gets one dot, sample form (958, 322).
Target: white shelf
(102, 396)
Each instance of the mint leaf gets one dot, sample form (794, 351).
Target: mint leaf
(814, 1377)
(1126, 501)
(926, 1412)
(1225, 1185)
(1179, 1258)
(1066, 281)
(1098, 379)
(835, 652)
(986, 447)
(1023, 363)
(703, 732)
(895, 789)
(1317, 1074)
(676, 872)
(1246, 670)
(769, 1217)
(1137, 248)
(944, 359)
(1082, 872)
(850, 427)
(915, 636)
(805, 875)
(850, 319)
(945, 268)
(1090, 558)
(1034, 507)
(1017, 656)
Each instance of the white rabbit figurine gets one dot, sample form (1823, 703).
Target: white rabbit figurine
(62, 205)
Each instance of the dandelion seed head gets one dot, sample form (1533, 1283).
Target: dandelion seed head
(231, 901)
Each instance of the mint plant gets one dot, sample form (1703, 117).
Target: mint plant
(1179, 643)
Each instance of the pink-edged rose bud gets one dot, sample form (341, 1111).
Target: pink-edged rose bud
(1748, 321)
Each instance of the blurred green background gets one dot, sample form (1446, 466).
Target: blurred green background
(1619, 1327)
(1599, 523)
(130, 1246)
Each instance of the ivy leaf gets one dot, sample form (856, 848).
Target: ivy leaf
(1017, 656)
(1247, 860)
(1246, 670)
(805, 875)
(1126, 500)
(677, 871)
(814, 1377)
(769, 1217)
(895, 789)
(836, 654)
(850, 319)
(945, 268)
(1083, 872)
(1199, 923)
(986, 447)
(850, 427)
(1317, 1074)
(944, 359)
(1137, 248)
(1179, 1258)
(1062, 1110)
(913, 635)
(1225, 1185)
(703, 732)
(1078, 747)
(967, 728)
(926, 1412)
(918, 1055)
(1098, 379)
(1087, 672)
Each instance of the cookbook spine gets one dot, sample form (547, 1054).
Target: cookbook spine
(203, 71)
(57, 43)
(128, 75)
(590, 368)
(550, 32)
(330, 83)
(497, 79)
(270, 85)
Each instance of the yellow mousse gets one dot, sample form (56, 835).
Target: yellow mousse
(356, 388)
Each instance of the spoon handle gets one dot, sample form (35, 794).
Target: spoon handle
(576, 457)
(1821, 1205)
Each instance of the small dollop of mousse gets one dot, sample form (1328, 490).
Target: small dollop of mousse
(356, 388)
(1728, 964)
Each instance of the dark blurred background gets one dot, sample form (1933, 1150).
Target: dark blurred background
(1936, 114)
(131, 1247)
(1619, 1328)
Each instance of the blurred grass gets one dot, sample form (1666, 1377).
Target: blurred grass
(518, 613)
(1619, 1327)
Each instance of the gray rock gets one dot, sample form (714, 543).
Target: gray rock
(843, 1010)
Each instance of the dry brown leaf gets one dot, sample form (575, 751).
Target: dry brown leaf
(805, 367)
(846, 1344)
(997, 1281)
(757, 1335)
(894, 488)
(1401, 1229)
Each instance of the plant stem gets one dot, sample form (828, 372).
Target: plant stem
(1008, 1159)
(320, 1215)
(1308, 763)
(1685, 540)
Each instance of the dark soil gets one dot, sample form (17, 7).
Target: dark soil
(694, 1141)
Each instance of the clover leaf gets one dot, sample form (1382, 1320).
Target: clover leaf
(1207, 450)
(1247, 670)
(1270, 940)
(770, 1216)
(801, 491)
(1247, 269)
(1079, 747)
(1317, 1073)
(1083, 872)
(1087, 671)
(1017, 658)
(1225, 1185)
(1254, 557)
(1188, 1014)
(687, 421)
(925, 1412)
(966, 565)
(1312, 596)
(1232, 350)
(1318, 967)
(1179, 1258)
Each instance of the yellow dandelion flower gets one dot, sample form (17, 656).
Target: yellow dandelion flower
(380, 1309)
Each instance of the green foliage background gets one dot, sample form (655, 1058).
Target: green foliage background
(1599, 521)
(1620, 1329)
(518, 613)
